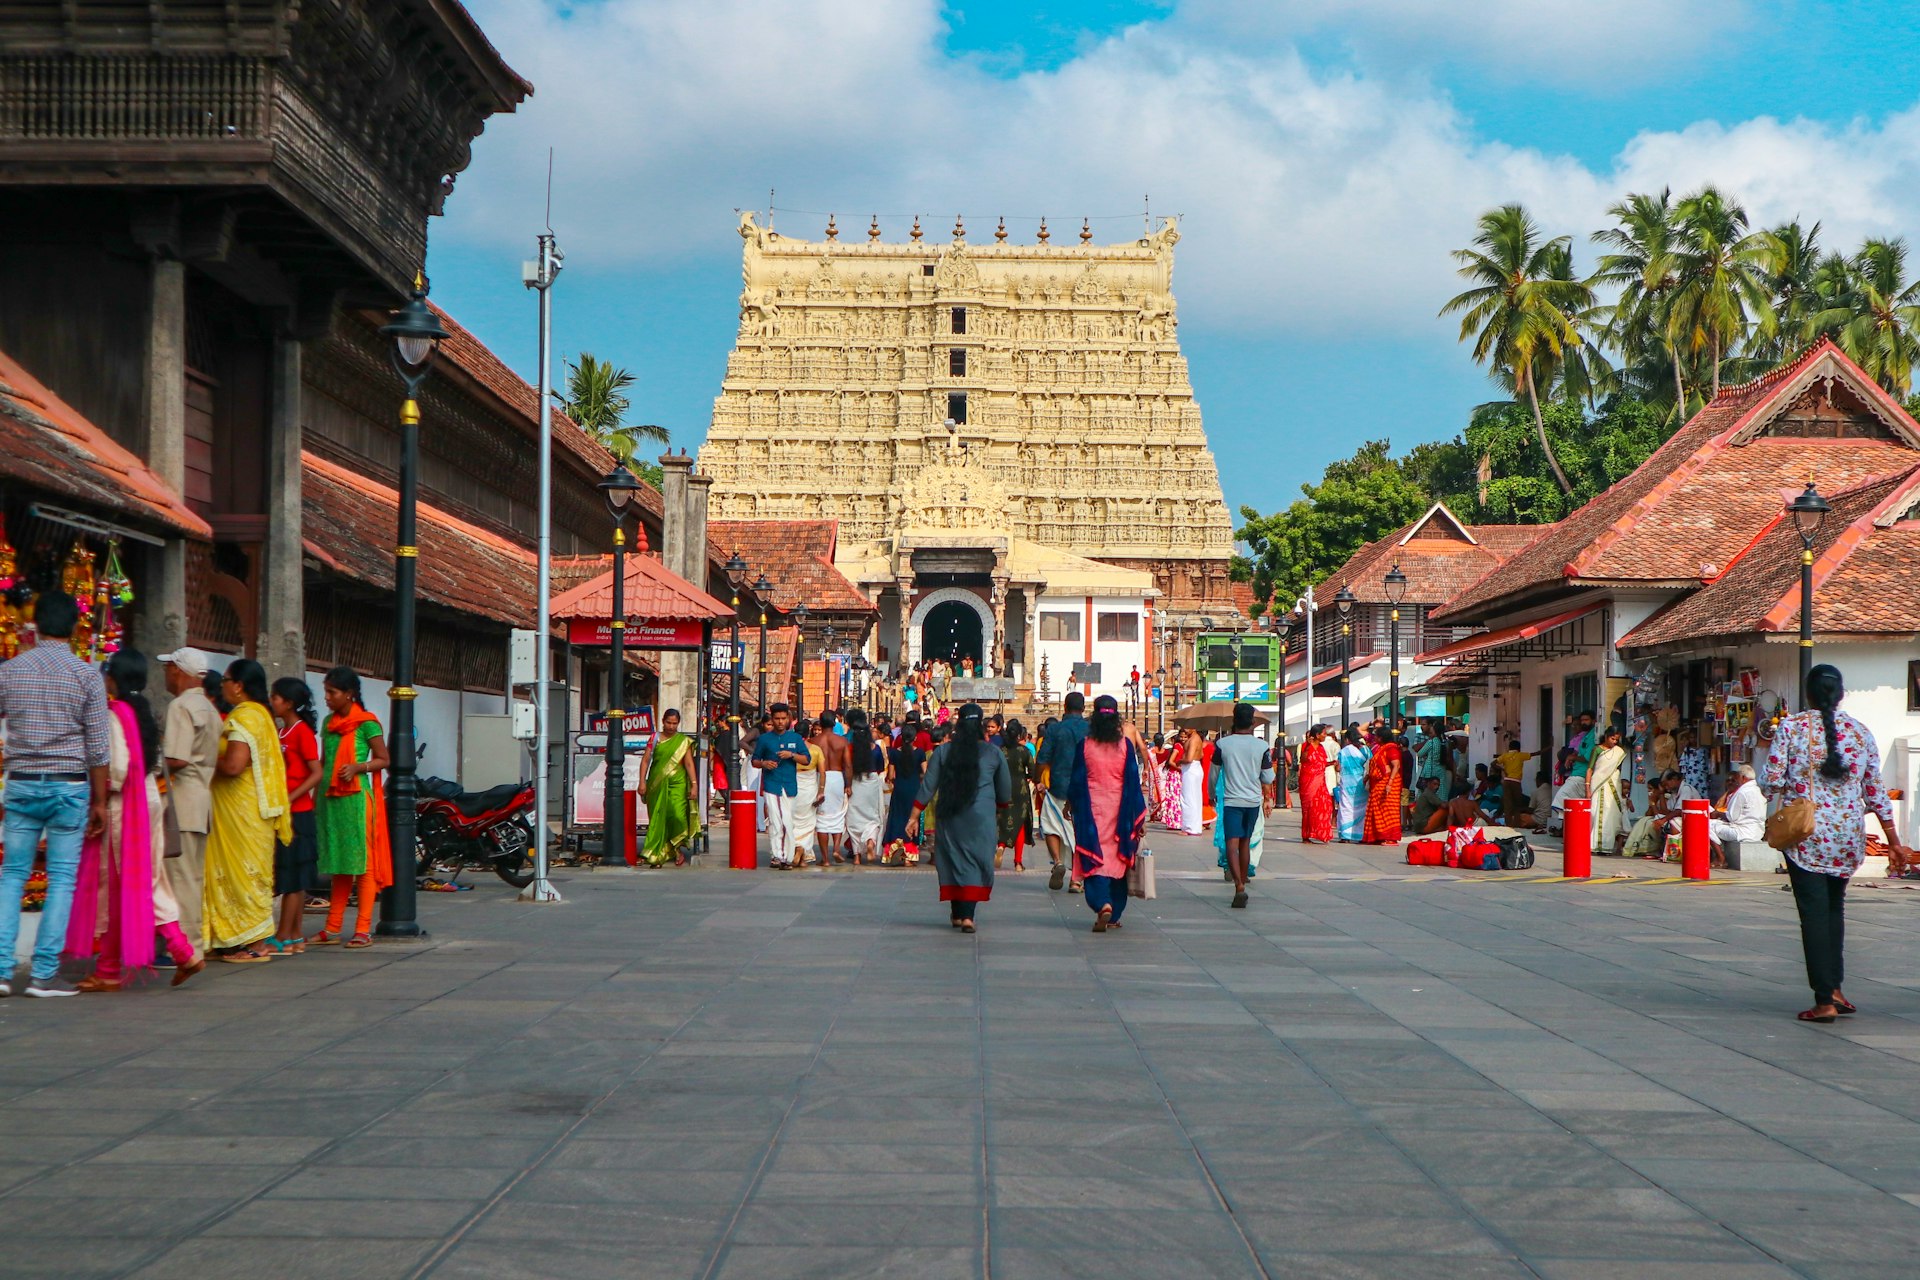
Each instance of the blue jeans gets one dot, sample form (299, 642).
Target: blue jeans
(1106, 891)
(59, 810)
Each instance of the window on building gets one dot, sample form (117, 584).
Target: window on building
(926, 269)
(959, 319)
(957, 362)
(1116, 626)
(957, 406)
(1059, 626)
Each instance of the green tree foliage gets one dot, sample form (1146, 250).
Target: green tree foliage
(596, 399)
(1358, 499)
(1596, 450)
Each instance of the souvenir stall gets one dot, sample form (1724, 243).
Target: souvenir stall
(1703, 716)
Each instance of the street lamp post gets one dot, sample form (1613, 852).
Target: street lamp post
(831, 696)
(1396, 592)
(1343, 598)
(1283, 636)
(763, 591)
(1809, 513)
(800, 658)
(736, 578)
(1306, 607)
(416, 336)
(1233, 651)
(1176, 683)
(1160, 683)
(617, 487)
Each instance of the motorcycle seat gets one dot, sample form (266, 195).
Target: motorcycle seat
(472, 803)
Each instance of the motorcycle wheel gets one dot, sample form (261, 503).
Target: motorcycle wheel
(514, 862)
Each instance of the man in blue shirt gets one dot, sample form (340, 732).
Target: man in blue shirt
(1056, 756)
(777, 754)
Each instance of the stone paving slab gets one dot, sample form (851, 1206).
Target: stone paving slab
(1374, 1070)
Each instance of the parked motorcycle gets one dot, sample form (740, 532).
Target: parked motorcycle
(486, 830)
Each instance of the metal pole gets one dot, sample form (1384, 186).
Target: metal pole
(398, 917)
(763, 658)
(733, 700)
(614, 839)
(1393, 668)
(703, 737)
(1306, 605)
(1806, 617)
(800, 667)
(542, 890)
(1346, 655)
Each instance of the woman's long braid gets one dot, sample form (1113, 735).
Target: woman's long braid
(1824, 691)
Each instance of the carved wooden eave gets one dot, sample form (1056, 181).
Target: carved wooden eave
(332, 129)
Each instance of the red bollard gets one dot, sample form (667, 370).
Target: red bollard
(630, 821)
(1696, 840)
(743, 843)
(1577, 861)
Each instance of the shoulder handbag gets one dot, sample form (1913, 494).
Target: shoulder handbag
(1792, 823)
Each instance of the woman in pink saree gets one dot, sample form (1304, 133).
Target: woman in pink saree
(123, 897)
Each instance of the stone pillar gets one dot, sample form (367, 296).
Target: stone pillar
(1033, 595)
(997, 655)
(163, 614)
(679, 672)
(909, 652)
(282, 645)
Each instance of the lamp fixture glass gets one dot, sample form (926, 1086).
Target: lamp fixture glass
(1344, 599)
(1809, 513)
(618, 487)
(1396, 586)
(736, 571)
(416, 332)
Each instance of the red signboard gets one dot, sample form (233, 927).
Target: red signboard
(642, 633)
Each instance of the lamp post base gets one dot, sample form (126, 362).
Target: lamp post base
(541, 890)
(400, 930)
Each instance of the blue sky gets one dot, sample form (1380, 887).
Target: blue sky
(1324, 154)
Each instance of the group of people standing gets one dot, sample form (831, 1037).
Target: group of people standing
(171, 842)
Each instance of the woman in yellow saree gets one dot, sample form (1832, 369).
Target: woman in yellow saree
(1604, 788)
(672, 823)
(250, 816)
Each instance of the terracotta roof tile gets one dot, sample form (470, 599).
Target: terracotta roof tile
(350, 526)
(47, 444)
(1704, 494)
(652, 591)
(1437, 567)
(796, 555)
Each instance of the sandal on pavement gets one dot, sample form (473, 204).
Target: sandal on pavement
(324, 939)
(1810, 1015)
(966, 926)
(91, 983)
(1103, 920)
(359, 940)
(182, 972)
(1842, 1005)
(242, 957)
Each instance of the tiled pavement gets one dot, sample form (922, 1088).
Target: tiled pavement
(708, 1073)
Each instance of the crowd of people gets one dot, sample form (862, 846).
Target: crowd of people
(167, 842)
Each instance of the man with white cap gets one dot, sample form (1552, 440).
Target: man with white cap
(192, 747)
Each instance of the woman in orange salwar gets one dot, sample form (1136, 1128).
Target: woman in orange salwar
(1383, 793)
(1316, 802)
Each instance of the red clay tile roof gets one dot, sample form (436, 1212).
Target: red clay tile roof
(565, 573)
(652, 591)
(46, 443)
(1867, 558)
(780, 651)
(1437, 567)
(349, 528)
(1704, 494)
(796, 556)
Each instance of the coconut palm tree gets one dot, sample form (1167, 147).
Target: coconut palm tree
(1874, 314)
(1724, 269)
(596, 399)
(1643, 266)
(1795, 286)
(1519, 316)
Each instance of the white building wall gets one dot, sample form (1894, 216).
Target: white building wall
(1117, 658)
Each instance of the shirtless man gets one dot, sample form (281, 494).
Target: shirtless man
(831, 827)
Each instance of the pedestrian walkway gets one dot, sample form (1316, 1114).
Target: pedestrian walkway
(710, 1073)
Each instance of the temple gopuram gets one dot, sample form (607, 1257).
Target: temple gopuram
(1004, 433)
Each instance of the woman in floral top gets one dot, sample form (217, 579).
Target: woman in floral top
(1831, 756)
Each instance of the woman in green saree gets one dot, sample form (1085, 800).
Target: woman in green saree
(672, 820)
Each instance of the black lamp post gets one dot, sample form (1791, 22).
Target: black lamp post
(416, 336)
(1176, 684)
(799, 617)
(1343, 598)
(1283, 636)
(736, 578)
(833, 695)
(1233, 651)
(1160, 683)
(618, 487)
(1809, 513)
(763, 592)
(1396, 592)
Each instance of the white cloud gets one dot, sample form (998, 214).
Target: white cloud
(1313, 198)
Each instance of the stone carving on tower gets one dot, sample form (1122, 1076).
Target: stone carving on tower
(1073, 420)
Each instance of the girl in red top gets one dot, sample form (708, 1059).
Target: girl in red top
(293, 864)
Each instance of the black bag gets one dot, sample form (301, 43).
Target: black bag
(1515, 853)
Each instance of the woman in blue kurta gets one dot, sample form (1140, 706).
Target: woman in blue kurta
(1354, 758)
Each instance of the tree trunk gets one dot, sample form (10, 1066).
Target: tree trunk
(1716, 374)
(1679, 387)
(1540, 426)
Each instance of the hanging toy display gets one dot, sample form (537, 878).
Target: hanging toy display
(11, 614)
(76, 579)
(113, 593)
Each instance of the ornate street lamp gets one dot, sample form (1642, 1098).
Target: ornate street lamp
(1283, 636)
(1176, 683)
(826, 650)
(1396, 592)
(1343, 599)
(1160, 683)
(736, 578)
(763, 592)
(618, 487)
(416, 334)
(799, 615)
(1233, 651)
(1810, 511)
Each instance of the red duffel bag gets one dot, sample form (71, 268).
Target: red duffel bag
(1426, 853)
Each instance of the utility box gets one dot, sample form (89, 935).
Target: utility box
(523, 656)
(525, 727)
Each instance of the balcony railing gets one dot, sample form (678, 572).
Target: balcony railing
(131, 98)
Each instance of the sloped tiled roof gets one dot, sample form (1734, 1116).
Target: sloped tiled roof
(1437, 567)
(652, 591)
(46, 443)
(1867, 560)
(796, 556)
(1705, 493)
(349, 528)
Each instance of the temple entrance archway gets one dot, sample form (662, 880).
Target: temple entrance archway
(951, 623)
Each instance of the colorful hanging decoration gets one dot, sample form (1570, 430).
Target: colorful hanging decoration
(113, 593)
(11, 614)
(77, 580)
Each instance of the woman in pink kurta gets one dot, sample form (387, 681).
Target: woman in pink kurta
(1109, 813)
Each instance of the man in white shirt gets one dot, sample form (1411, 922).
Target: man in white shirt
(1745, 814)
